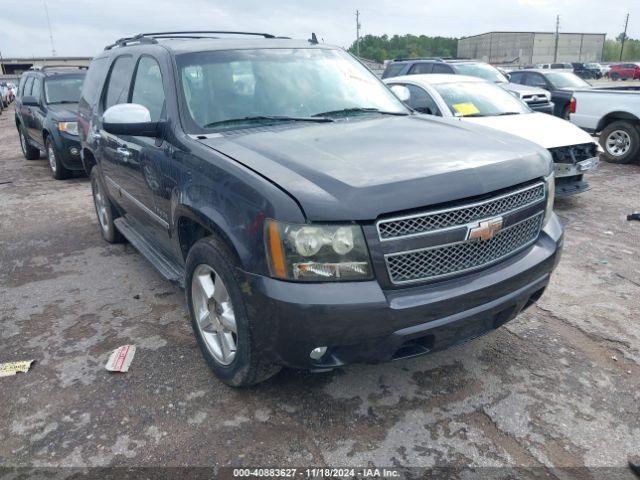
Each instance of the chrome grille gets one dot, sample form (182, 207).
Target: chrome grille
(452, 217)
(455, 258)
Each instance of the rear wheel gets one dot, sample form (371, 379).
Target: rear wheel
(29, 152)
(615, 76)
(58, 170)
(620, 141)
(104, 209)
(219, 316)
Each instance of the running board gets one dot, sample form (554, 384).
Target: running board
(167, 267)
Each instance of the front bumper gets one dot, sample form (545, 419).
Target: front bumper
(569, 176)
(67, 150)
(543, 108)
(361, 322)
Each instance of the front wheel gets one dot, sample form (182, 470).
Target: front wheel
(58, 170)
(219, 316)
(105, 211)
(620, 142)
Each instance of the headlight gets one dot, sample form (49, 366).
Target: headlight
(316, 252)
(550, 185)
(70, 127)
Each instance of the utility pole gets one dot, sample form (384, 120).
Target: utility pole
(46, 12)
(358, 33)
(555, 53)
(2, 64)
(624, 35)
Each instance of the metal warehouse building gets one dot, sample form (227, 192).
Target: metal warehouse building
(525, 48)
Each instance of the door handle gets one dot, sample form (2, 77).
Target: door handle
(123, 152)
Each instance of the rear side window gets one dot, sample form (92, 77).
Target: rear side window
(393, 70)
(148, 89)
(419, 68)
(440, 68)
(94, 80)
(23, 80)
(37, 88)
(27, 86)
(119, 81)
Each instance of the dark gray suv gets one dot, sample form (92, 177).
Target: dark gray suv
(311, 217)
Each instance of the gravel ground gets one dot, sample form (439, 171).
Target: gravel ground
(556, 388)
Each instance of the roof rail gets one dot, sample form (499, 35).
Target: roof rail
(79, 67)
(437, 59)
(150, 37)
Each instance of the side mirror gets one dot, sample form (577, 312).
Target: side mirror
(401, 92)
(425, 110)
(130, 119)
(30, 101)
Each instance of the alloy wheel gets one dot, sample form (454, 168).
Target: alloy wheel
(23, 143)
(51, 155)
(101, 204)
(214, 314)
(618, 143)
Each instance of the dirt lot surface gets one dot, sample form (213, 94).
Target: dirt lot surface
(557, 387)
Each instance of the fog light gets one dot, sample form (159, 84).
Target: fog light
(318, 352)
(74, 151)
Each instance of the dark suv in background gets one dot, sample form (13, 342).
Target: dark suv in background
(313, 219)
(45, 115)
(537, 99)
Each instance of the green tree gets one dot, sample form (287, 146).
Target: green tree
(611, 51)
(381, 48)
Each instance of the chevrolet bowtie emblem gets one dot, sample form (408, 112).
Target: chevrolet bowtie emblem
(486, 229)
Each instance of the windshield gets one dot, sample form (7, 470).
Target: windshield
(565, 79)
(219, 86)
(63, 90)
(467, 99)
(482, 71)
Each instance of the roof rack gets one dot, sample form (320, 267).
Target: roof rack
(49, 67)
(437, 59)
(150, 37)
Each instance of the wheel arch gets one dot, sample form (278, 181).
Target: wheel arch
(614, 117)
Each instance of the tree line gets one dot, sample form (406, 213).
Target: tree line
(381, 48)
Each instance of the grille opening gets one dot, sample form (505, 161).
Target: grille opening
(415, 347)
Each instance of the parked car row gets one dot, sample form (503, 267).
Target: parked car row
(7, 94)
(315, 216)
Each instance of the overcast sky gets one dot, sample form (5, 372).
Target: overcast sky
(84, 27)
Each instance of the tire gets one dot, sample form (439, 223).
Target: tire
(212, 285)
(105, 210)
(58, 170)
(615, 76)
(29, 152)
(620, 141)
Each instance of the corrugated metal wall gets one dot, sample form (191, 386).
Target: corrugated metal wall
(524, 48)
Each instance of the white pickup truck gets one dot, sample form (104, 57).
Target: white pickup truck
(614, 115)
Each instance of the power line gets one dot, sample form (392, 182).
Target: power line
(624, 35)
(46, 12)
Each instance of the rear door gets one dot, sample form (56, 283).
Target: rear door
(38, 113)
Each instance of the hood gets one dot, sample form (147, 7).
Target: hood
(524, 89)
(361, 168)
(65, 111)
(545, 130)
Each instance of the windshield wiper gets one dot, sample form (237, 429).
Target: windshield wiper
(507, 113)
(258, 118)
(59, 102)
(359, 110)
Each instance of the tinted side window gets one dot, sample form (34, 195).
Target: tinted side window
(37, 88)
(393, 70)
(440, 68)
(94, 80)
(119, 81)
(23, 80)
(147, 87)
(27, 86)
(422, 101)
(535, 80)
(421, 68)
